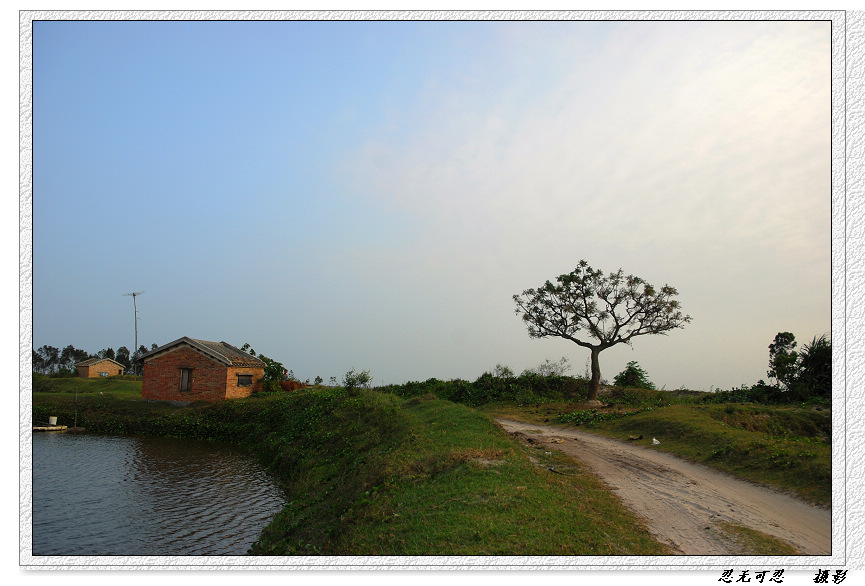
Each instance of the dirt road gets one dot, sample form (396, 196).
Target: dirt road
(681, 501)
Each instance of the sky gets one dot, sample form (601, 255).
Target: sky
(371, 195)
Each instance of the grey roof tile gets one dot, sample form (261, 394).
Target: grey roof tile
(220, 351)
(92, 361)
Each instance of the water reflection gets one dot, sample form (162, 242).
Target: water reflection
(100, 495)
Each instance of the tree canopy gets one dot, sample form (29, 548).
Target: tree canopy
(806, 373)
(122, 356)
(597, 311)
(783, 359)
(52, 361)
(274, 372)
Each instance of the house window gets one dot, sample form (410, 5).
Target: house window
(103, 374)
(185, 379)
(244, 380)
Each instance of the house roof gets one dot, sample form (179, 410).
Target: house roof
(222, 352)
(92, 361)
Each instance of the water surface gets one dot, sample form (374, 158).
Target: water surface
(107, 495)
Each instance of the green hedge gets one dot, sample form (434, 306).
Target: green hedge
(525, 389)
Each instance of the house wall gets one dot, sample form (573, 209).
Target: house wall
(93, 370)
(235, 392)
(211, 380)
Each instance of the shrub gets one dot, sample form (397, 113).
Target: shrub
(550, 368)
(591, 416)
(503, 371)
(528, 388)
(633, 376)
(354, 380)
(758, 393)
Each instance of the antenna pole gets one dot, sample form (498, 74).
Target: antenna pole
(135, 316)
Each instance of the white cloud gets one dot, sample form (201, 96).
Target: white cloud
(634, 145)
(691, 146)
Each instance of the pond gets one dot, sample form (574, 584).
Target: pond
(106, 495)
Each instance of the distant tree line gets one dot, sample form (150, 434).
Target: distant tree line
(53, 361)
(796, 376)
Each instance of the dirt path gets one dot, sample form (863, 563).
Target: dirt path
(680, 500)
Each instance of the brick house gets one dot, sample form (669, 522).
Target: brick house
(188, 370)
(96, 367)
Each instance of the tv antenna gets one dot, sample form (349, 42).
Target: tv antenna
(135, 308)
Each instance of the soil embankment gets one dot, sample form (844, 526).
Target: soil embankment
(680, 501)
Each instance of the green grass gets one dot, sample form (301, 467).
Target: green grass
(374, 474)
(784, 447)
(118, 387)
(752, 542)
(451, 483)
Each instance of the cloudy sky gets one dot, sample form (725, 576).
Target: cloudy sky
(372, 194)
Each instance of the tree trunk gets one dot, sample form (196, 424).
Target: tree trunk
(595, 383)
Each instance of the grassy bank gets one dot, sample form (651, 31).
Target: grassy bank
(119, 387)
(783, 447)
(375, 474)
(408, 473)
(450, 483)
(787, 447)
(756, 433)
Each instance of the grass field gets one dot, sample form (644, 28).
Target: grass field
(784, 447)
(372, 473)
(118, 387)
(451, 483)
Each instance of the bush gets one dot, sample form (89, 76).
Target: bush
(591, 416)
(528, 388)
(633, 376)
(274, 373)
(354, 380)
(758, 393)
(550, 368)
(503, 371)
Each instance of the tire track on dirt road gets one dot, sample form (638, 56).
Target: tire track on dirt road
(680, 501)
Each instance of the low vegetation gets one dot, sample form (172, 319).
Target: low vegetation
(526, 389)
(633, 376)
(750, 541)
(121, 387)
(442, 480)
(371, 473)
(782, 447)
(421, 469)
(787, 447)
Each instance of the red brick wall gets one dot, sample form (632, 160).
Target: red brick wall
(93, 370)
(211, 380)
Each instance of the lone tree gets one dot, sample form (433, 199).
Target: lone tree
(612, 310)
(784, 360)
